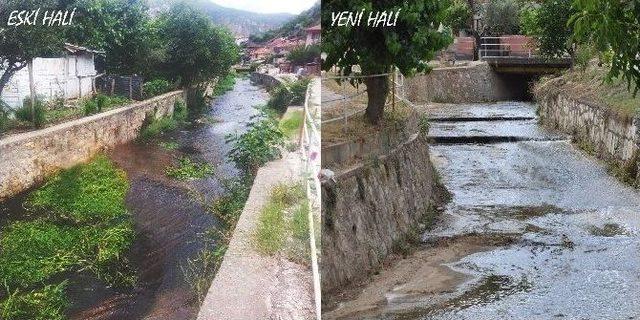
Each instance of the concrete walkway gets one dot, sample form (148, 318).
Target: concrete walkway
(250, 285)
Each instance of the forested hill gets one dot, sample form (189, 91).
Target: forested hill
(240, 22)
(293, 27)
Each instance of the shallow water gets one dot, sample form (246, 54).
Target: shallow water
(170, 216)
(577, 253)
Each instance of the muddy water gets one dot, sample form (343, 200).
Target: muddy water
(576, 229)
(170, 216)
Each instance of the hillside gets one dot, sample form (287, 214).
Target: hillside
(241, 23)
(294, 27)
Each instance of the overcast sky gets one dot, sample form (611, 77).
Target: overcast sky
(268, 6)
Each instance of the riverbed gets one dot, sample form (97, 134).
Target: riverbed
(172, 218)
(536, 229)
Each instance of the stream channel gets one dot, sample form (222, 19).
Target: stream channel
(536, 229)
(170, 216)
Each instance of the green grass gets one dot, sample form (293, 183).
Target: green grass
(47, 303)
(89, 192)
(229, 206)
(290, 126)
(157, 127)
(169, 145)
(589, 84)
(188, 169)
(281, 219)
(225, 84)
(76, 222)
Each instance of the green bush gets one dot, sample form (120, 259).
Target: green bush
(101, 102)
(501, 17)
(24, 113)
(180, 110)
(289, 94)
(225, 84)
(4, 115)
(259, 145)
(157, 127)
(155, 87)
(304, 54)
(188, 169)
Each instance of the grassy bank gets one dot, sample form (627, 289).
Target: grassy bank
(588, 85)
(283, 226)
(77, 222)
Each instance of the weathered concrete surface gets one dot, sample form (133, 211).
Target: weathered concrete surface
(370, 207)
(465, 84)
(249, 285)
(267, 80)
(26, 159)
(612, 136)
(575, 230)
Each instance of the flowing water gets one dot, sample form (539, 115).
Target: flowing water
(170, 216)
(575, 252)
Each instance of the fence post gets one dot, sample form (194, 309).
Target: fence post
(113, 85)
(130, 87)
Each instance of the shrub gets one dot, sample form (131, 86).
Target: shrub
(157, 127)
(225, 84)
(155, 87)
(292, 93)
(259, 145)
(179, 110)
(4, 115)
(90, 107)
(24, 113)
(304, 54)
(502, 17)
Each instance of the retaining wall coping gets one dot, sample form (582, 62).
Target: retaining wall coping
(72, 123)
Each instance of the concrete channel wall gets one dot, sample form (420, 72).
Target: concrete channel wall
(28, 158)
(612, 136)
(472, 83)
(368, 208)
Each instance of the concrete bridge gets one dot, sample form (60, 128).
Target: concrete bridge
(517, 55)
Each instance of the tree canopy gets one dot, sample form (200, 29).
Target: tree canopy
(408, 46)
(548, 24)
(612, 25)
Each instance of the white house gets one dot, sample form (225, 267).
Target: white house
(69, 76)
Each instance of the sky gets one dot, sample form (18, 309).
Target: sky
(268, 6)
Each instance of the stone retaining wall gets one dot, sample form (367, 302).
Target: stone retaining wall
(466, 84)
(612, 136)
(379, 143)
(266, 80)
(367, 209)
(26, 159)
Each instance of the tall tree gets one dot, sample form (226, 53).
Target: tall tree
(196, 50)
(408, 46)
(123, 30)
(612, 25)
(548, 24)
(20, 44)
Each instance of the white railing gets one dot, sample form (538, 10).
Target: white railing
(502, 49)
(310, 153)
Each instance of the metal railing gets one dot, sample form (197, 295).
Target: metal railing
(310, 154)
(494, 47)
(396, 92)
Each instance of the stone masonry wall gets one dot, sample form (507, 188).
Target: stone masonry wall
(465, 84)
(367, 209)
(613, 137)
(26, 159)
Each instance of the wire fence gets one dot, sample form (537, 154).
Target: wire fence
(396, 94)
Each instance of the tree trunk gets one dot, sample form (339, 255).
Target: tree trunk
(377, 90)
(32, 91)
(8, 73)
